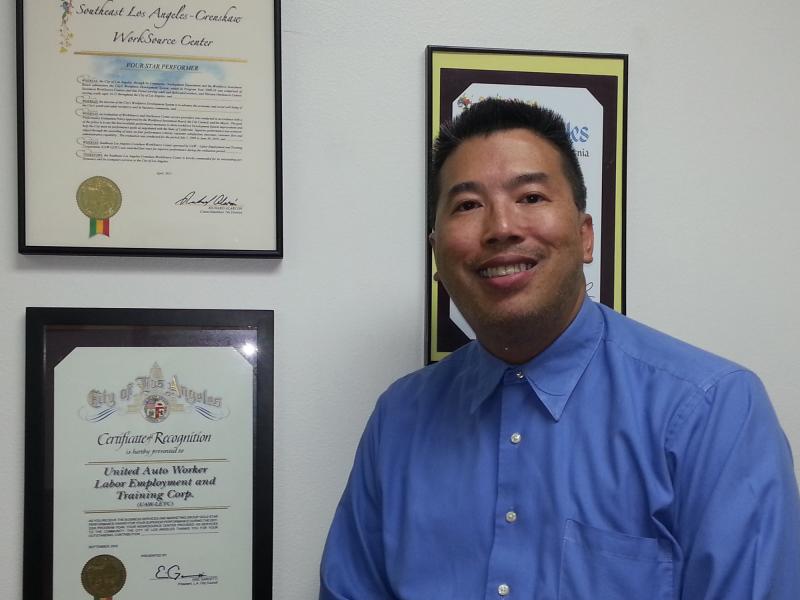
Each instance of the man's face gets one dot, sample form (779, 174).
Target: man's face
(509, 242)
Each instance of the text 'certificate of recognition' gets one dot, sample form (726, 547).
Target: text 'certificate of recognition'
(153, 473)
(151, 125)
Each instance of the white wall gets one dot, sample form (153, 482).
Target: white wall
(712, 215)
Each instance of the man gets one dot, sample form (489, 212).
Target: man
(570, 453)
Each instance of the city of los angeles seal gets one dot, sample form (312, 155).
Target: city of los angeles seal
(156, 408)
(103, 576)
(99, 199)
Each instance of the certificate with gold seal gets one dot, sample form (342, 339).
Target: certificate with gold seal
(149, 455)
(150, 128)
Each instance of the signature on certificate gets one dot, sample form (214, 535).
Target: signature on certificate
(174, 572)
(193, 199)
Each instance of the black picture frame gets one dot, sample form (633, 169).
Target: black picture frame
(33, 168)
(53, 333)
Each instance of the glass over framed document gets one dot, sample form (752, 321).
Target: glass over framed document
(590, 92)
(148, 128)
(148, 454)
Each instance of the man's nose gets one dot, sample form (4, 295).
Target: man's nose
(501, 224)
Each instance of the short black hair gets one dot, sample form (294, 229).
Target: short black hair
(492, 115)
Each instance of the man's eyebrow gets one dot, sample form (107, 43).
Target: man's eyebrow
(526, 178)
(463, 186)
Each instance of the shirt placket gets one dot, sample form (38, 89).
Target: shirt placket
(508, 575)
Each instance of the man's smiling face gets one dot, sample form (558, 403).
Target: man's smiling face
(509, 241)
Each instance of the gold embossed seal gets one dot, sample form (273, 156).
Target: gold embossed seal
(103, 576)
(99, 198)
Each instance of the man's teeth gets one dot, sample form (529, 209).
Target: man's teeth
(504, 270)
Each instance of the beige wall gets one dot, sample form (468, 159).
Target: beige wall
(712, 249)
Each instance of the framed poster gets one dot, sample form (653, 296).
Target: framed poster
(148, 454)
(590, 92)
(149, 129)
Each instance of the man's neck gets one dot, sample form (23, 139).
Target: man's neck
(523, 342)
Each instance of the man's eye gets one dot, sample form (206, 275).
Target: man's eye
(532, 198)
(466, 205)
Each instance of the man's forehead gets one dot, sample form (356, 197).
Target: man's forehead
(520, 140)
(522, 151)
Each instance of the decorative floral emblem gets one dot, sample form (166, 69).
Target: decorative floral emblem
(66, 34)
(464, 102)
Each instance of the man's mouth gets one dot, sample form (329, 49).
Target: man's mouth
(503, 270)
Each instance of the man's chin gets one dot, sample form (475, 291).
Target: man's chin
(504, 323)
(520, 324)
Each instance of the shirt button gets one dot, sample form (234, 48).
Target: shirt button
(520, 375)
(511, 516)
(516, 438)
(503, 589)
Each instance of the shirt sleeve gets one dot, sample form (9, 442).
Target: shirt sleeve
(737, 513)
(353, 566)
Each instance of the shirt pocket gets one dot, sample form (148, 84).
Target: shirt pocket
(613, 566)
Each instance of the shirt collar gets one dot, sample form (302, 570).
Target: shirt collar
(553, 374)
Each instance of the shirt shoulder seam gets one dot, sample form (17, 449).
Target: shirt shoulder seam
(700, 388)
(703, 384)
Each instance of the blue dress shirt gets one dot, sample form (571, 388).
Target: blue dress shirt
(619, 464)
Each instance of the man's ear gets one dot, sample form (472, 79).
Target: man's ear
(587, 237)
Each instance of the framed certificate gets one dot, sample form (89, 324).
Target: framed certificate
(590, 92)
(149, 129)
(148, 454)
